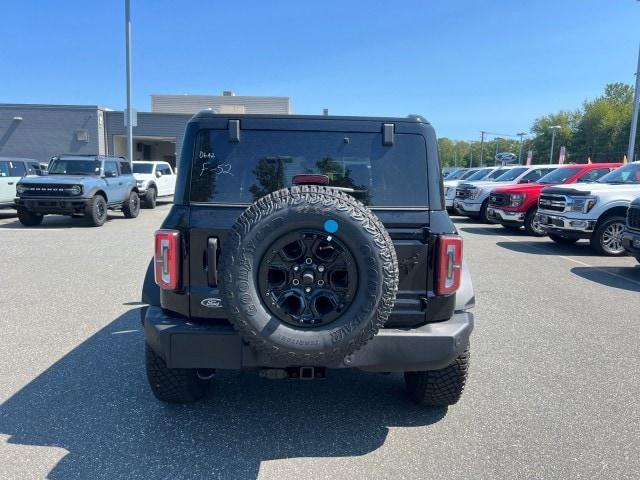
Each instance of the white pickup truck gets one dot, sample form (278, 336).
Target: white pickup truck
(469, 175)
(154, 179)
(594, 211)
(472, 198)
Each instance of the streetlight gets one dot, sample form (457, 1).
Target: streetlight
(634, 118)
(521, 135)
(554, 129)
(129, 113)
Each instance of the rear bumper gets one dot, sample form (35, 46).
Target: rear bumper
(46, 205)
(631, 242)
(498, 215)
(184, 344)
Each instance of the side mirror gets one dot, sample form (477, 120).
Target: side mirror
(109, 174)
(524, 181)
(158, 174)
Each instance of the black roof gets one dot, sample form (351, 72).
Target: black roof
(205, 114)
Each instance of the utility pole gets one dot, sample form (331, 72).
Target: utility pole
(127, 26)
(521, 135)
(455, 158)
(481, 146)
(554, 129)
(495, 158)
(634, 118)
(470, 155)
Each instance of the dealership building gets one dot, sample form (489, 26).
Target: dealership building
(42, 131)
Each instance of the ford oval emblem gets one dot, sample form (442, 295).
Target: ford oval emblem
(211, 303)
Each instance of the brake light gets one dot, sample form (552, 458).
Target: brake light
(167, 259)
(449, 264)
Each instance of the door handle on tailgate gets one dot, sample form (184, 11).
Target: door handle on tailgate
(212, 262)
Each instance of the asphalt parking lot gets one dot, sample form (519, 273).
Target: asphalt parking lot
(553, 390)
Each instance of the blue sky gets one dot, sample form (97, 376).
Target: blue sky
(465, 65)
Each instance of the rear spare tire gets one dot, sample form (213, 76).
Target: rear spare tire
(308, 275)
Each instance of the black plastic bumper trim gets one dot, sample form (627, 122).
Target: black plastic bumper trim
(184, 344)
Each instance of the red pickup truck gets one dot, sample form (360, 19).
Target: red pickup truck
(515, 205)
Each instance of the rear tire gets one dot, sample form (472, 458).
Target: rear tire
(96, 211)
(149, 200)
(131, 207)
(29, 219)
(173, 385)
(562, 240)
(607, 238)
(531, 226)
(439, 388)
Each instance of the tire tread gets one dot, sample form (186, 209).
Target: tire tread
(328, 198)
(172, 385)
(439, 388)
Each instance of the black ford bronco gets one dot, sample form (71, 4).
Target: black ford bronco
(299, 244)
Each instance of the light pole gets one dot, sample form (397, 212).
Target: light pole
(521, 135)
(634, 118)
(481, 147)
(554, 129)
(127, 26)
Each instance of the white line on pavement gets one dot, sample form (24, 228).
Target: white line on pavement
(579, 262)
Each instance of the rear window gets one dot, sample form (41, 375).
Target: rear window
(265, 161)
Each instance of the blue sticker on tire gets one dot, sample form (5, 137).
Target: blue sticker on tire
(331, 226)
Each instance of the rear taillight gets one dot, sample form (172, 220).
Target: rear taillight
(449, 264)
(167, 259)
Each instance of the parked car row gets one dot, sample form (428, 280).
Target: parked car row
(83, 185)
(598, 202)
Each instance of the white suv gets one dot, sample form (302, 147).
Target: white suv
(154, 179)
(472, 199)
(595, 211)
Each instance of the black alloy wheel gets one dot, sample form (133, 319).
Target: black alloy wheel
(307, 278)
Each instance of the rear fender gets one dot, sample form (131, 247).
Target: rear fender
(465, 297)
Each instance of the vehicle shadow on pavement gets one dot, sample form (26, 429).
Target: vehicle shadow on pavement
(463, 220)
(616, 277)
(550, 248)
(95, 403)
(60, 221)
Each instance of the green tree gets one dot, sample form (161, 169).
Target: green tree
(603, 130)
(540, 144)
